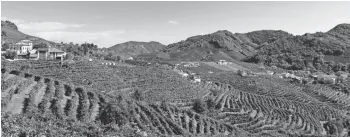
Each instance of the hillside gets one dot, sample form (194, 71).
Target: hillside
(63, 105)
(134, 48)
(314, 51)
(72, 110)
(219, 45)
(11, 34)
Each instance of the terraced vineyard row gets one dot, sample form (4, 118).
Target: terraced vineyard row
(161, 83)
(332, 97)
(275, 87)
(258, 113)
(49, 97)
(35, 94)
(167, 120)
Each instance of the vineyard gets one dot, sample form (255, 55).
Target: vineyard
(24, 93)
(272, 86)
(103, 97)
(158, 82)
(263, 114)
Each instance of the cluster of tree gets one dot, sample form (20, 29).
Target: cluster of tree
(201, 106)
(111, 56)
(10, 54)
(302, 52)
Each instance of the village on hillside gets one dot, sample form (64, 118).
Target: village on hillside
(295, 76)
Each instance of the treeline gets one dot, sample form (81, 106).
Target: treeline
(85, 49)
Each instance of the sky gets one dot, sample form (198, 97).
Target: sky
(110, 23)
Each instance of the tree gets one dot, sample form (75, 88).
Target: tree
(210, 104)
(138, 95)
(88, 48)
(200, 106)
(10, 54)
(5, 46)
(69, 56)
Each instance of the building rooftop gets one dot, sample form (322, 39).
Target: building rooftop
(55, 50)
(43, 49)
(24, 42)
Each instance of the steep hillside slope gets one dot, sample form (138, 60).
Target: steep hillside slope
(219, 45)
(11, 34)
(308, 50)
(133, 48)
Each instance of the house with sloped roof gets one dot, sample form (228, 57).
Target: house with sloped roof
(50, 54)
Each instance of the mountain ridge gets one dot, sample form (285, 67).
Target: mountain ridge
(134, 48)
(219, 45)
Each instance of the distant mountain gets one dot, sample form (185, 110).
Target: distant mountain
(219, 45)
(134, 48)
(11, 34)
(308, 50)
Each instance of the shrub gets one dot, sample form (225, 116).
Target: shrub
(210, 104)
(138, 95)
(199, 106)
(10, 55)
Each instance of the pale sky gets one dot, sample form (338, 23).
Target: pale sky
(109, 23)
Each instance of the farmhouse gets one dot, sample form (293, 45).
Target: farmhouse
(222, 62)
(50, 53)
(195, 79)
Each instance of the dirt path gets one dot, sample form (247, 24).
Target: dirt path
(16, 104)
(95, 111)
(39, 95)
(8, 77)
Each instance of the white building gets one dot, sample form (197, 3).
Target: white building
(23, 46)
(183, 74)
(222, 62)
(196, 79)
